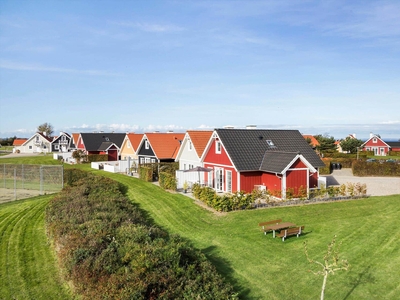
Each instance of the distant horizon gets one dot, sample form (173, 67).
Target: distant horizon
(362, 132)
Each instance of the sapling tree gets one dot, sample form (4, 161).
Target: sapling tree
(331, 263)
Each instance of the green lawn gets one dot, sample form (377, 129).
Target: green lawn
(27, 263)
(259, 266)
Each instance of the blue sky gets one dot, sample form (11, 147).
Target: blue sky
(322, 67)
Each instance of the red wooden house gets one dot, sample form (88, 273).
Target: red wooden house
(248, 159)
(376, 144)
(101, 143)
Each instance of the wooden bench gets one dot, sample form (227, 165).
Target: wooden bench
(263, 225)
(290, 231)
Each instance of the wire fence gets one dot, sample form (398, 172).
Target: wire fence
(24, 181)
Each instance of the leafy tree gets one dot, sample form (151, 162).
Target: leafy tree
(331, 263)
(46, 128)
(350, 144)
(309, 141)
(79, 155)
(326, 143)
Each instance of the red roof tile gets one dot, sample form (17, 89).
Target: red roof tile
(165, 145)
(199, 139)
(19, 142)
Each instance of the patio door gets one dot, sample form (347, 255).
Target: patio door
(219, 180)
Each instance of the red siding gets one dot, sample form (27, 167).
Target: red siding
(298, 164)
(313, 180)
(296, 179)
(217, 158)
(248, 180)
(112, 154)
(272, 181)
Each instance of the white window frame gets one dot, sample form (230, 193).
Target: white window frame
(190, 146)
(218, 147)
(146, 144)
(228, 181)
(374, 140)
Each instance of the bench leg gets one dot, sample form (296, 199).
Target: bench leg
(273, 233)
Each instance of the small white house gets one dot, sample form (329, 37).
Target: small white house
(38, 143)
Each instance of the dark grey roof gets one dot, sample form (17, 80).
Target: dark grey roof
(93, 141)
(247, 147)
(105, 145)
(275, 161)
(393, 144)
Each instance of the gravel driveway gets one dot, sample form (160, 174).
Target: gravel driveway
(376, 186)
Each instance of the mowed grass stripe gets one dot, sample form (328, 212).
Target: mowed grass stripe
(28, 267)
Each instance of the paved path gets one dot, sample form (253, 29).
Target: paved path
(376, 186)
(20, 155)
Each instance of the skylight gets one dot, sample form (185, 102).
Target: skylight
(270, 143)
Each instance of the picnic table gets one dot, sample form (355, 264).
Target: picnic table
(279, 226)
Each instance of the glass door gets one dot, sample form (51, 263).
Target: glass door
(219, 179)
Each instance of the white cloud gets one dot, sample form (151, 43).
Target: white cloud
(40, 68)
(149, 27)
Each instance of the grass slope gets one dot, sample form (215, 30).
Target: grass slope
(260, 267)
(28, 268)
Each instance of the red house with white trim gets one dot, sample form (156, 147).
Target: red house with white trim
(248, 159)
(101, 143)
(376, 144)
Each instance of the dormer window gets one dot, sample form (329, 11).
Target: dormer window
(217, 147)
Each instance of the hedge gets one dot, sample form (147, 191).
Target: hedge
(364, 168)
(108, 249)
(167, 181)
(97, 157)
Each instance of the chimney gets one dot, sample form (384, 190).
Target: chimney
(251, 126)
(371, 135)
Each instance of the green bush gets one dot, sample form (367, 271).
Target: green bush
(364, 168)
(167, 181)
(394, 153)
(146, 173)
(109, 249)
(97, 157)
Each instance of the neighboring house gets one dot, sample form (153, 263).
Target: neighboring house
(17, 143)
(192, 148)
(62, 143)
(38, 143)
(159, 147)
(74, 140)
(130, 145)
(339, 146)
(313, 141)
(376, 144)
(189, 156)
(101, 143)
(275, 160)
(394, 146)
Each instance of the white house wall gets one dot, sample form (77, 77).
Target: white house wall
(188, 157)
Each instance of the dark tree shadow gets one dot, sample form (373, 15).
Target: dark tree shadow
(361, 278)
(223, 267)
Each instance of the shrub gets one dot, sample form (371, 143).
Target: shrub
(167, 181)
(110, 250)
(364, 168)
